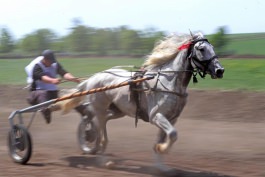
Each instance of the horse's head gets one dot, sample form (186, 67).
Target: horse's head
(203, 57)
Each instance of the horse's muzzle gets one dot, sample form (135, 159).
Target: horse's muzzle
(219, 72)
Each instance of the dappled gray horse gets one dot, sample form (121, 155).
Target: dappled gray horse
(172, 62)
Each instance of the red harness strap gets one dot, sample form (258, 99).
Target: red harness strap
(184, 46)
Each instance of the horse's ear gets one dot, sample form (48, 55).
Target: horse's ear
(191, 34)
(200, 35)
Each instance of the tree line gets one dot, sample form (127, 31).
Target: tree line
(90, 41)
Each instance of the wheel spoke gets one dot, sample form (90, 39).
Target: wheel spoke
(19, 142)
(87, 137)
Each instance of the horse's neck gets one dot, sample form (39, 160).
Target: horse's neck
(182, 65)
(182, 73)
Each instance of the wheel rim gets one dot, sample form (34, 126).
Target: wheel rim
(19, 144)
(88, 136)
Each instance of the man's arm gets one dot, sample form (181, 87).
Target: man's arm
(66, 75)
(70, 77)
(38, 74)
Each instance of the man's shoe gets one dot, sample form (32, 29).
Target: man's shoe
(46, 114)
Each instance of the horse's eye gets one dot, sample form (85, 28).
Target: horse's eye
(202, 50)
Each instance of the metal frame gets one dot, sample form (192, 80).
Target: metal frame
(34, 109)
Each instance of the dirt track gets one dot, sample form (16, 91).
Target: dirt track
(220, 133)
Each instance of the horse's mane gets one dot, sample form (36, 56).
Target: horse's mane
(167, 49)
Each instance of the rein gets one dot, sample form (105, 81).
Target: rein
(154, 89)
(205, 64)
(197, 70)
(193, 59)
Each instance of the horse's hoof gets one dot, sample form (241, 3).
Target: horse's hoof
(110, 165)
(160, 148)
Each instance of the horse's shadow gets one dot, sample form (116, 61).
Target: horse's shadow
(84, 162)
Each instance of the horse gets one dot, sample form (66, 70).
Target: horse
(173, 62)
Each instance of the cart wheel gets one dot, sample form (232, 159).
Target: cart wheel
(87, 136)
(19, 144)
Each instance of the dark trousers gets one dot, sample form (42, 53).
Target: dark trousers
(40, 96)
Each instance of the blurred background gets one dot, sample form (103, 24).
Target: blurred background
(121, 28)
(100, 34)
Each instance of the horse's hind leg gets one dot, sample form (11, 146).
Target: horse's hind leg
(103, 160)
(112, 113)
(83, 111)
(102, 133)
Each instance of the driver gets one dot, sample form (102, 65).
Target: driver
(44, 80)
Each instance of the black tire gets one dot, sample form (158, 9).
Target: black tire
(19, 144)
(87, 137)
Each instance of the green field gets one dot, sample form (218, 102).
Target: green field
(12, 70)
(246, 44)
(240, 74)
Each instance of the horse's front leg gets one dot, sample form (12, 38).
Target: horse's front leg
(167, 135)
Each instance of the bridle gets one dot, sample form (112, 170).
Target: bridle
(200, 66)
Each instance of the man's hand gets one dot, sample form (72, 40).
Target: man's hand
(70, 77)
(56, 81)
(50, 80)
(75, 79)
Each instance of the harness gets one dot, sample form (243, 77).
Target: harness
(200, 68)
(136, 88)
(194, 60)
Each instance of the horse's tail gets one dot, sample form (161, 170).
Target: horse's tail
(69, 104)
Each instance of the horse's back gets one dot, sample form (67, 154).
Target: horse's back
(107, 78)
(103, 79)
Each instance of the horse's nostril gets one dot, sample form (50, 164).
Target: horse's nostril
(219, 72)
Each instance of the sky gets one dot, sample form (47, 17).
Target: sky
(22, 17)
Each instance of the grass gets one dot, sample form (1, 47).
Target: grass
(249, 47)
(246, 43)
(12, 70)
(240, 74)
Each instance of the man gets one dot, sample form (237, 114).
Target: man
(44, 80)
